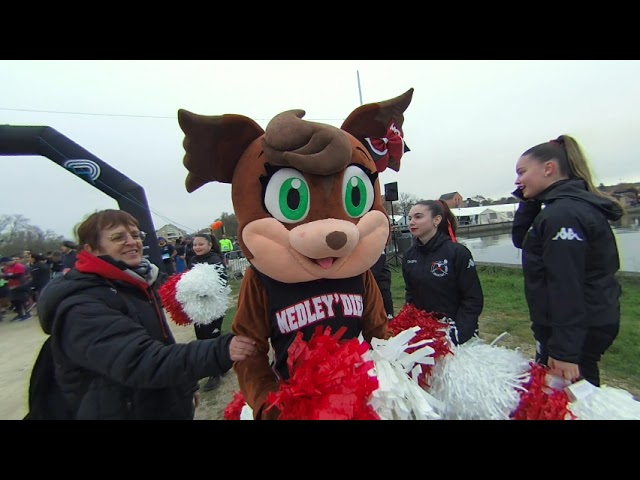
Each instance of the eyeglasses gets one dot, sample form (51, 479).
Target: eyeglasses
(121, 238)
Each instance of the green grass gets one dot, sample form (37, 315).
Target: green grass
(505, 310)
(231, 311)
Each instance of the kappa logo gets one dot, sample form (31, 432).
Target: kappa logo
(439, 268)
(567, 234)
(471, 263)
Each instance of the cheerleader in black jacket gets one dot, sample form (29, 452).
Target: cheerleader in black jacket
(207, 250)
(569, 258)
(440, 274)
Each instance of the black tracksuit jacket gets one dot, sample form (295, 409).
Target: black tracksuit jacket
(441, 277)
(569, 260)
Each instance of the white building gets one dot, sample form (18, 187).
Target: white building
(502, 213)
(170, 232)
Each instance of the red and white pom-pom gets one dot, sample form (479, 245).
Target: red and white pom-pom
(199, 295)
(238, 408)
(539, 400)
(233, 411)
(168, 295)
(398, 367)
(350, 380)
(419, 374)
(431, 328)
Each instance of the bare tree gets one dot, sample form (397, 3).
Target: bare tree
(403, 205)
(480, 199)
(407, 200)
(17, 234)
(12, 225)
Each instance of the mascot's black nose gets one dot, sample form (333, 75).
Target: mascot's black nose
(336, 240)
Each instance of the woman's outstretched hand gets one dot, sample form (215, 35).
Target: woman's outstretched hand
(241, 347)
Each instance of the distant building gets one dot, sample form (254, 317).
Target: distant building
(627, 196)
(453, 199)
(470, 216)
(171, 232)
(400, 223)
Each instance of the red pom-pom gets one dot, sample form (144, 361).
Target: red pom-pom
(430, 328)
(171, 304)
(329, 380)
(541, 402)
(234, 409)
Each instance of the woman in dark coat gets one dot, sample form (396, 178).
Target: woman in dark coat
(114, 352)
(569, 258)
(439, 273)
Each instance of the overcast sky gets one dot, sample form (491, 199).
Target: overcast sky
(466, 126)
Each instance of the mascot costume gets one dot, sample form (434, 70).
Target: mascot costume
(311, 223)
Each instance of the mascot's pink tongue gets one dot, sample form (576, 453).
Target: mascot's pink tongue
(325, 262)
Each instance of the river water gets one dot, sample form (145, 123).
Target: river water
(498, 248)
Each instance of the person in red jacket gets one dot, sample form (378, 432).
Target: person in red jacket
(15, 272)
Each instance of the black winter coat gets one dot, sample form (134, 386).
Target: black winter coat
(382, 274)
(440, 276)
(569, 260)
(40, 275)
(114, 352)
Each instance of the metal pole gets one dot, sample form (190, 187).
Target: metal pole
(359, 89)
(394, 237)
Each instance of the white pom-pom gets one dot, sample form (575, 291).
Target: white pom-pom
(399, 397)
(203, 293)
(602, 403)
(479, 381)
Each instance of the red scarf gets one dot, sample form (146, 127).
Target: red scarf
(89, 263)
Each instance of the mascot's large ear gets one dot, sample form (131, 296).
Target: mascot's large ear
(373, 119)
(213, 145)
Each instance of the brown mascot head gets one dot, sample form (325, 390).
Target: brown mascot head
(306, 194)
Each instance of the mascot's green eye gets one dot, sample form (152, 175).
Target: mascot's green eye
(287, 196)
(358, 192)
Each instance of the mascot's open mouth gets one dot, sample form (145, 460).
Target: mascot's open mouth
(325, 262)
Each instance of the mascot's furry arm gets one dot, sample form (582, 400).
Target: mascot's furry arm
(310, 221)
